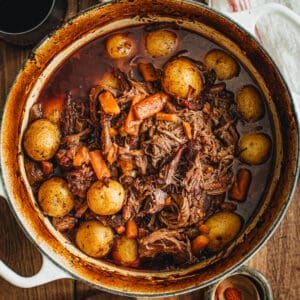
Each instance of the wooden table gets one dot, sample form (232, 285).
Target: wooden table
(278, 260)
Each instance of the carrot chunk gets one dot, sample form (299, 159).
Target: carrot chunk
(167, 117)
(112, 153)
(187, 129)
(81, 157)
(150, 106)
(52, 109)
(132, 125)
(241, 185)
(99, 166)
(131, 229)
(109, 103)
(148, 71)
(199, 243)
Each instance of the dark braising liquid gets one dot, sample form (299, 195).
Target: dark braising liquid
(20, 16)
(80, 72)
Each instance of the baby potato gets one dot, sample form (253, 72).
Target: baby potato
(254, 148)
(223, 227)
(41, 140)
(55, 197)
(250, 103)
(125, 251)
(222, 63)
(94, 239)
(106, 199)
(179, 76)
(161, 42)
(119, 46)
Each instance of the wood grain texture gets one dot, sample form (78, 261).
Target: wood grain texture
(278, 260)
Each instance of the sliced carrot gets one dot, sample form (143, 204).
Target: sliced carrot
(150, 106)
(112, 153)
(81, 157)
(113, 132)
(53, 108)
(167, 117)
(120, 229)
(148, 71)
(187, 129)
(126, 166)
(99, 166)
(132, 125)
(168, 201)
(47, 167)
(131, 229)
(109, 103)
(204, 228)
(241, 185)
(199, 243)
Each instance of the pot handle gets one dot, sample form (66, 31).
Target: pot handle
(48, 272)
(248, 19)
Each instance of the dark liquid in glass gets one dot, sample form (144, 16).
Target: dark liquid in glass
(22, 15)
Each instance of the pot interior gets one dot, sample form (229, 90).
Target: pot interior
(47, 58)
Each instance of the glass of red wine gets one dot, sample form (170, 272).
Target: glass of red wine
(26, 22)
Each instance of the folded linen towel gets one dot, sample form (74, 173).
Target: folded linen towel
(279, 36)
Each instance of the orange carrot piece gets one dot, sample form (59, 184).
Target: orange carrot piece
(168, 201)
(99, 166)
(148, 71)
(47, 167)
(199, 243)
(241, 185)
(126, 166)
(120, 229)
(81, 157)
(167, 117)
(109, 103)
(131, 229)
(150, 106)
(187, 129)
(204, 228)
(53, 108)
(132, 125)
(112, 153)
(113, 132)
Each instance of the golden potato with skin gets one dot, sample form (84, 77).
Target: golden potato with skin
(55, 197)
(161, 42)
(179, 76)
(254, 148)
(222, 63)
(250, 104)
(41, 140)
(223, 227)
(120, 46)
(106, 199)
(125, 251)
(94, 239)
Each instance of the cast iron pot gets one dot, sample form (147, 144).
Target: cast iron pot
(61, 258)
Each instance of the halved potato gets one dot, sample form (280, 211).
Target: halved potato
(161, 42)
(41, 140)
(222, 63)
(125, 251)
(255, 148)
(223, 227)
(120, 46)
(181, 78)
(55, 197)
(106, 199)
(250, 104)
(94, 239)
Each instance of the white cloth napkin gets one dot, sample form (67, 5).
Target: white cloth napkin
(280, 37)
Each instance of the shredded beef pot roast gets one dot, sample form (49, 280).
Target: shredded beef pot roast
(150, 139)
